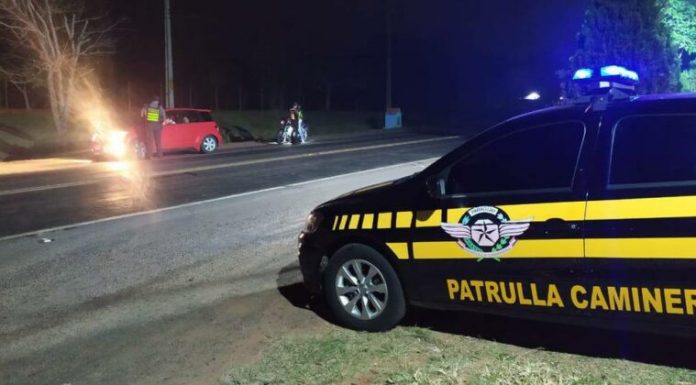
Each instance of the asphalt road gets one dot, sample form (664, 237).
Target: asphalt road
(97, 304)
(43, 194)
(167, 272)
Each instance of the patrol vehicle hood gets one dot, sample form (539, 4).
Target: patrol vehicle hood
(372, 194)
(368, 189)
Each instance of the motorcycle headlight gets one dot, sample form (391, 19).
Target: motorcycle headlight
(313, 221)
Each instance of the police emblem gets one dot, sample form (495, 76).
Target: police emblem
(486, 232)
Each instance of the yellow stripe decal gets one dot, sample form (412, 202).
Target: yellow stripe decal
(354, 221)
(368, 221)
(384, 220)
(428, 218)
(335, 222)
(454, 215)
(531, 248)
(668, 207)
(663, 248)
(344, 219)
(403, 219)
(400, 249)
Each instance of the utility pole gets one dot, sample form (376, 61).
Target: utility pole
(387, 12)
(169, 65)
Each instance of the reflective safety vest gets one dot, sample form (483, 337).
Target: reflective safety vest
(153, 114)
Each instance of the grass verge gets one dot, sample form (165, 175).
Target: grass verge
(412, 355)
(28, 134)
(263, 125)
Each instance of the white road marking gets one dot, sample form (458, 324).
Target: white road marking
(219, 166)
(423, 163)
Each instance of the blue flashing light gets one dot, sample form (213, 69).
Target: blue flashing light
(612, 70)
(615, 70)
(633, 75)
(583, 73)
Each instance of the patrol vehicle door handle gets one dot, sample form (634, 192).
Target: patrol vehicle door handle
(558, 224)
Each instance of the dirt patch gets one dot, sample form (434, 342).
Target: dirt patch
(199, 347)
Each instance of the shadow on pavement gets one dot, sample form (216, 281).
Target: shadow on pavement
(290, 287)
(237, 134)
(640, 347)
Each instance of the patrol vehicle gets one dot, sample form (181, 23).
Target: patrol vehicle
(581, 213)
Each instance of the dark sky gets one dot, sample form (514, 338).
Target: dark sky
(450, 56)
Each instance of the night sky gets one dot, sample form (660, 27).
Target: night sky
(451, 57)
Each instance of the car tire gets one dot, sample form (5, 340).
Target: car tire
(209, 144)
(362, 289)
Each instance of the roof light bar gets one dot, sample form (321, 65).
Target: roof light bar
(583, 73)
(614, 70)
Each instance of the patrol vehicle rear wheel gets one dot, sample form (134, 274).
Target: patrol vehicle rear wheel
(363, 290)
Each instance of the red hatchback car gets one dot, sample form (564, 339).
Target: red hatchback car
(183, 129)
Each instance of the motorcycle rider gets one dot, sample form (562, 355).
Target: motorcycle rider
(295, 115)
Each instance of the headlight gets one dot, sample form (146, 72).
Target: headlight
(116, 144)
(313, 221)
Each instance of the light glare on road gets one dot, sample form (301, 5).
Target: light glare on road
(41, 165)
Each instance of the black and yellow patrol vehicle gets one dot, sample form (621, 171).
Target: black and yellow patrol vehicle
(581, 213)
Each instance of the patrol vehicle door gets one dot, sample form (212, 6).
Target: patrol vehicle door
(500, 227)
(641, 222)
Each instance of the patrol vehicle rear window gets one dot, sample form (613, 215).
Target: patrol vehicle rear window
(537, 158)
(654, 150)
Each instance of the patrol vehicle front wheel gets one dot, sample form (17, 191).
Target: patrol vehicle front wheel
(363, 290)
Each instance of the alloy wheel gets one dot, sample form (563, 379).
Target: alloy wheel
(361, 289)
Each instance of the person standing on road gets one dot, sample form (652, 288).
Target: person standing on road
(154, 116)
(296, 116)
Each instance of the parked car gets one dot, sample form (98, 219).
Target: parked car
(583, 213)
(183, 129)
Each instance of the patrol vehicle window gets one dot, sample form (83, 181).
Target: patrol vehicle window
(538, 158)
(651, 150)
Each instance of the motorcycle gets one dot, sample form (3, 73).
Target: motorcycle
(287, 134)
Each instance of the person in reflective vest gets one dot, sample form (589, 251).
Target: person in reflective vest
(295, 115)
(154, 116)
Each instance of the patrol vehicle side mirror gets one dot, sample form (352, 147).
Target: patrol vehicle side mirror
(435, 186)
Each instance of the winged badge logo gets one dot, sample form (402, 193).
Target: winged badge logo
(486, 232)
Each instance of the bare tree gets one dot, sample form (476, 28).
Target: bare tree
(58, 35)
(23, 77)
